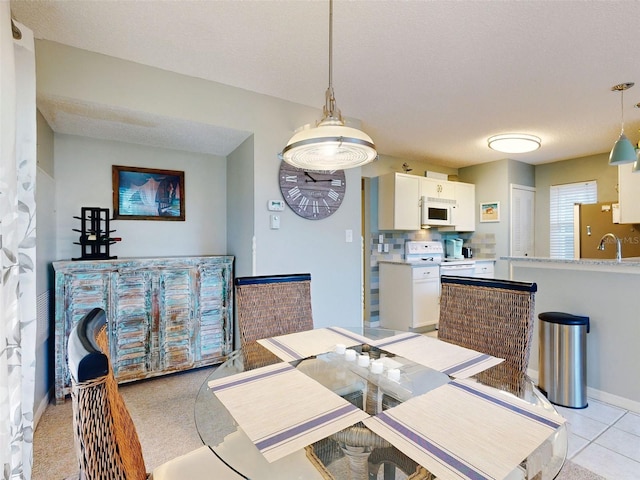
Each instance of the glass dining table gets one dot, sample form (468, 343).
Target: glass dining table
(357, 452)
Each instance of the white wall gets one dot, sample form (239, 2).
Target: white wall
(45, 254)
(493, 182)
(318, 247)
(240, 204)
(83, 179)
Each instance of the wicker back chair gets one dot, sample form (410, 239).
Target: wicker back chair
(106, 441)
(489, 315)
(268, 306)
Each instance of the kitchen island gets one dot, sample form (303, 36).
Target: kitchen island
(606, 291)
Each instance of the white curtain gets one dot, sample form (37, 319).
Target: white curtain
(17, 247)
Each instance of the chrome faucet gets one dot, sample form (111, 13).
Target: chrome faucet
(618, 245)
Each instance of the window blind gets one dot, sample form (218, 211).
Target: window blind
(561, 202)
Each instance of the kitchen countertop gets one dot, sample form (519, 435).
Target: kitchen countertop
(629, 264)
(417, 264)
(408, 264)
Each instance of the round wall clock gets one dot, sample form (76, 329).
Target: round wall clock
(312, 194)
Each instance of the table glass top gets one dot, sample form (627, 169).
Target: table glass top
(341, 454)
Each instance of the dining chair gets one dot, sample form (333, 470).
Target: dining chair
(491, 316)
(269, 306)
(106, 442)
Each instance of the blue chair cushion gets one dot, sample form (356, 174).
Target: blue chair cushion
(86, 360)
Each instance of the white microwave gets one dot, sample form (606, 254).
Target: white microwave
(437, 211)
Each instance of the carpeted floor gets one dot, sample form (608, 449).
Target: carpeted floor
(162, 410)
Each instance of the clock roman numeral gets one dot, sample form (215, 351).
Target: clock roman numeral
(315, 208)
(336, 182)
(333, 195)
(326, 205)
(290, 178)
(294, 193)
(304, 203)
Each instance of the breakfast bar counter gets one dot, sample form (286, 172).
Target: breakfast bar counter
(606, 291)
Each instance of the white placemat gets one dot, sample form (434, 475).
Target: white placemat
(464, 430)
(445, 357)
(299, 345)
(282, 410)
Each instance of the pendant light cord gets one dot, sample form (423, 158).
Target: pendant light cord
(330, 110)
(331, 44)
(621, 112)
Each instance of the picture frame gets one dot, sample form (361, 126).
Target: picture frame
(490, 212)
(147, 194)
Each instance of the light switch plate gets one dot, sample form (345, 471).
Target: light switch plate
(275, 222)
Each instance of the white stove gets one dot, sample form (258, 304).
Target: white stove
(416, 252)
(432, 252)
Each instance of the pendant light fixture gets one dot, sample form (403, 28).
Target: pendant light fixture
(622, 151)
(331, 145)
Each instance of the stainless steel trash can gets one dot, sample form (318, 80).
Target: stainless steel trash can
(563, 358)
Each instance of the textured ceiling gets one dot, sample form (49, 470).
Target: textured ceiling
(430, 80)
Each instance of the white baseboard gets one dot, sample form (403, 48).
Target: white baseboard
(601, 396)
(614, 400)
(42, 406)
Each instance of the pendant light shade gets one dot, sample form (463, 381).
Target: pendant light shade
(330, 145)
(622, 151)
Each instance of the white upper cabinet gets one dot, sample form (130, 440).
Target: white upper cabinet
(464, 217)
(399, 197)
(436, 188)
(628, 194)
(399, 202)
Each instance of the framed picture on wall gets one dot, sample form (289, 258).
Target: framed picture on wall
(147, 194)
(490, 212)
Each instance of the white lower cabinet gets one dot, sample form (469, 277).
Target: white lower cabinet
(484, 269)
(409, 296)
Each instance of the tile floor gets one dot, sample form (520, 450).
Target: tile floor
(604, 439)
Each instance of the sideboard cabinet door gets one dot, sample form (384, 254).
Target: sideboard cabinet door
(163, 314)
(130, 338)
(175, 298)
(77, 293)
(214, 305)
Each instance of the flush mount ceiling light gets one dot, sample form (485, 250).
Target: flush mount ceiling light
(514, 143)
(331, 145)
(622, 151)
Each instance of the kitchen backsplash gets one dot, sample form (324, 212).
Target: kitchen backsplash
(483, 245)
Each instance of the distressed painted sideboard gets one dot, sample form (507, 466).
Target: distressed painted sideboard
(164, 314)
